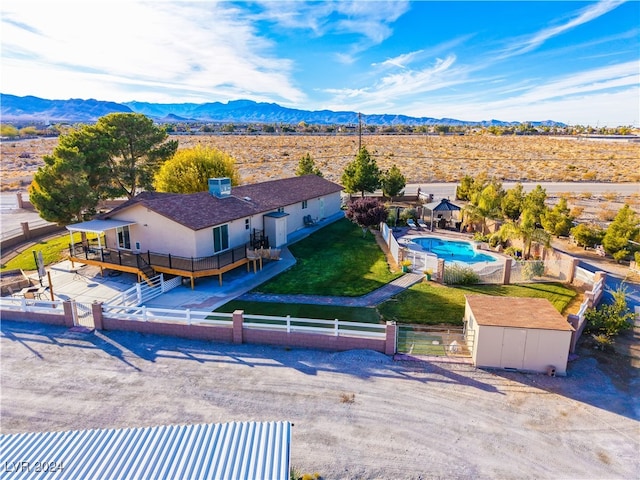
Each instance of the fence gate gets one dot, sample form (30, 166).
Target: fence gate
(438, 341)
(82, 315)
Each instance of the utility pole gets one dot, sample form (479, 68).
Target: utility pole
(359, 132)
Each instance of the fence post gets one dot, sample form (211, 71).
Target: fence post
(574, 265)
(574, 320)
(68, 313)
(336, 328)
(96, 311)
(391, 333)
(188, 314)
(25, 230)
(440, 271)
(238, 318)
(139, 292)
(288, 323)
(506, 274)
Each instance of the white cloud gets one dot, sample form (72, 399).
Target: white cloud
(588, 14)
(201, 49)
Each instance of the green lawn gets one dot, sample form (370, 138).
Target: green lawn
(432, 304)
(53, 250)
(335, 260)
(325, 312)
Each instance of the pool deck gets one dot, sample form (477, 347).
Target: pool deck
(404, 235)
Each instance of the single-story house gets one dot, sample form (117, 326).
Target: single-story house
(205, 233)
(526, 334)
(207, 223)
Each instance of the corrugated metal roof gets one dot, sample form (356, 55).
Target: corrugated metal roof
(237, 450)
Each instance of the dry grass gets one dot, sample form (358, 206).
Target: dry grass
(420, 158)
(347, 397)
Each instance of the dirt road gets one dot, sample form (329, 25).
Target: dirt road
(356, 414)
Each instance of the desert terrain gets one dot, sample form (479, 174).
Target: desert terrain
(356, 414)
(421, 158)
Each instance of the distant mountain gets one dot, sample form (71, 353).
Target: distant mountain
(237, 111)
(41, 110)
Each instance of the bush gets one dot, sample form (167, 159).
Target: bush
(408, 213)
(587, 235)
(611, 319)
(456, 274)
(532, 269)
(602, 342)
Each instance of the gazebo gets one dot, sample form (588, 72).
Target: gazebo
(444, 209)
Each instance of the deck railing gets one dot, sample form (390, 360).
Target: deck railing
(189, 264)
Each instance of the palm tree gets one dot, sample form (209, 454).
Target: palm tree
(527, 231)
(485, 204)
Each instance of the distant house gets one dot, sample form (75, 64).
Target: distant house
(208, 224)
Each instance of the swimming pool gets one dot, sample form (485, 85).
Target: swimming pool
(452, 250)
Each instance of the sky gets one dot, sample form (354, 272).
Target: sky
(572, 62)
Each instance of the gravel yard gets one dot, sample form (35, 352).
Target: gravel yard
(356, 414)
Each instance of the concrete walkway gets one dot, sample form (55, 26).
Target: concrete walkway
(369, 300)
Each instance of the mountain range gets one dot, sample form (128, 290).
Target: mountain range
(29, 108)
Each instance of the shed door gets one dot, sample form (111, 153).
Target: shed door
(513, 345)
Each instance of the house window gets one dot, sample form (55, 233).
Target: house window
(304, 204)
(280, 209)
(124, 238)
(246, 224)
(220, 238)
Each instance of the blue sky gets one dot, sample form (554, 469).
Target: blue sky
(574, 62)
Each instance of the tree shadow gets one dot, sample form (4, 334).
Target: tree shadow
(137, 351)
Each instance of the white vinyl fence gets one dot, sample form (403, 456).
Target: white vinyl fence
(309, 325)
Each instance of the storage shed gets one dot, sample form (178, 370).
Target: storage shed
(526, 334)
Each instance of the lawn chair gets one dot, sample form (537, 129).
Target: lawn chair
(422, 224)
(14, 294)
(412, 224)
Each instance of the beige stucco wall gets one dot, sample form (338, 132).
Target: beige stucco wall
(542, 348)
(154, 233)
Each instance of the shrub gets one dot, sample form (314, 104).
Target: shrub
(456, 274)
(408, 213)
(610, 319)
(532, 269)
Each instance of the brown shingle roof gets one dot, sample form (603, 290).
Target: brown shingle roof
(516, 312)
(202, 210)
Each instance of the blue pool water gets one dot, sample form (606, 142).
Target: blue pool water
(452, 250)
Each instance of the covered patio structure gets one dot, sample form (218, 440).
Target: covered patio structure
(443, 211)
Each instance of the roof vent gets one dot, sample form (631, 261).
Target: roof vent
(220, 187)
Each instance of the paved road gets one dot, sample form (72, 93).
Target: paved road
(448, 190)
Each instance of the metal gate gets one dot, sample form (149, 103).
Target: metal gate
(438, 341)
(82, 315)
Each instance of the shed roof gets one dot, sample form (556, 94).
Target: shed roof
(516, 312)
(202, 210)
(237, 450)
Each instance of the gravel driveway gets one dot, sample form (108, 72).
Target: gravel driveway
(356, 414)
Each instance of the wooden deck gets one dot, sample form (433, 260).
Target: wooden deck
(130, 263)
